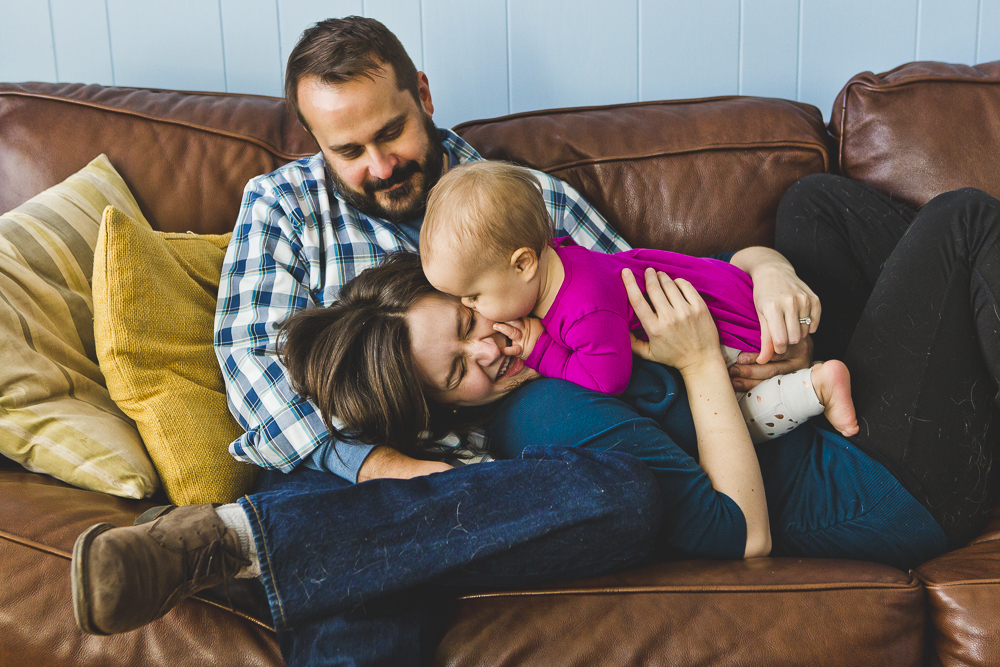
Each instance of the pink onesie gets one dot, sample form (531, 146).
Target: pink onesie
(586, 338)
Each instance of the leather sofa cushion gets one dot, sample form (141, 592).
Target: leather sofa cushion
(808, 611)
(185, 156)
(921, 129)
(694, 176)
(39, 522)
(963, 596)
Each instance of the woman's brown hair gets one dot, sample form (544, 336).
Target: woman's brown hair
(353, 359)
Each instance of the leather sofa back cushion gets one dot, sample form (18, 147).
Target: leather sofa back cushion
(697, 176)
(185, 156)
(921, 129)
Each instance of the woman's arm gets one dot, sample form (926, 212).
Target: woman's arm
(781, 299)
(682, 334)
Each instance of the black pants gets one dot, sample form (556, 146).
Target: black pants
(910, 303)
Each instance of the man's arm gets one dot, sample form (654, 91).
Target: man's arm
(265, 278)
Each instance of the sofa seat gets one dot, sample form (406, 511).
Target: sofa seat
(773, 611)
(40, 519)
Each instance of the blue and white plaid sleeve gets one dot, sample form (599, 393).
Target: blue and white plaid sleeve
(265, 278)
(573, 216)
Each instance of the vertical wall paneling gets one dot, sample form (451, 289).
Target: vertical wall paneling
(571, 52)
(490, 57)
(167, 44)
(402, 17)
(465, 59)
(250, 44)
(947, 30)
(83, 49)
(841, 39)
(989, 32)
(689, 49)
(294, 16)
(26, 47)
(769, 48)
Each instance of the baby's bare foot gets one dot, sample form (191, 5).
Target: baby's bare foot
(832, 383)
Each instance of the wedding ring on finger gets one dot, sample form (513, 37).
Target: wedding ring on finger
(805, 320)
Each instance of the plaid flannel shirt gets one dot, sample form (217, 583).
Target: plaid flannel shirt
(294, 247)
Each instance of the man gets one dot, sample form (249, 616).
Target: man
(312, 225)
(345, 566)
(354, 572)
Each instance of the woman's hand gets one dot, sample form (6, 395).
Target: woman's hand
(681, 331)
(781, 298)
(523, 334)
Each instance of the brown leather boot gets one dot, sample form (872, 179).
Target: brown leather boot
(123, 578)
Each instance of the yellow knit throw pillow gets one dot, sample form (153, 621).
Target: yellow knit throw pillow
(154, 307)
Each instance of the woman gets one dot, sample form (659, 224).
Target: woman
(925, 356)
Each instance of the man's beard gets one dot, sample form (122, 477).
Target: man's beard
(409, 200)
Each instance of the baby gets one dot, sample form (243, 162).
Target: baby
(487, 238)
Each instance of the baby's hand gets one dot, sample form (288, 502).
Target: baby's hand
(523, 334)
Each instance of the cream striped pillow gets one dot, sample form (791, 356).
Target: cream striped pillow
(56, 416)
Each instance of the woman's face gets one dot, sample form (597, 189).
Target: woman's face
(458, 354)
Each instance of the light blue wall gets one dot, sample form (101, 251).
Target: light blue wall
(492, 57)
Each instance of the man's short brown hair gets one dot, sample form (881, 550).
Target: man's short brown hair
(337, 51)
(491, 207)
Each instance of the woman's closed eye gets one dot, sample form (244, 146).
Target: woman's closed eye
(463, 361)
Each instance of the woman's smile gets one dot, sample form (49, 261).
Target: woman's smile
(459, 354)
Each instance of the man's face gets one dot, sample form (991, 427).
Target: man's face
(382, 151)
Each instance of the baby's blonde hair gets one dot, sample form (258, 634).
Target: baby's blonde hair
(491, 208)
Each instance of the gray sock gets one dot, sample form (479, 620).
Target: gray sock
(234, 517)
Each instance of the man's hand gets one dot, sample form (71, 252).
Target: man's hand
(523, 334)
(747, 373)
(385, 462)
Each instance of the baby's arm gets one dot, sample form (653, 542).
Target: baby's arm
(594, 352)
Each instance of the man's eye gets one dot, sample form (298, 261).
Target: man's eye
(393, 133)
(472, 323)
(351, 155)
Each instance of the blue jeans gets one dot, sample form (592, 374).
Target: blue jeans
(362, 574)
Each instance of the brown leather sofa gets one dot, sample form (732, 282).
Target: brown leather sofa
(697, 176)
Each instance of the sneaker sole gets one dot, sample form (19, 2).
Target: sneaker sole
(79, 579)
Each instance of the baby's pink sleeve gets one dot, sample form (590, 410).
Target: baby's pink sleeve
(594, 352)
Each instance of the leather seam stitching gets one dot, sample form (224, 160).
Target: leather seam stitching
(695, 589)
(803, 147)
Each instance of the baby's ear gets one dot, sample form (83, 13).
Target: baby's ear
(524, 261)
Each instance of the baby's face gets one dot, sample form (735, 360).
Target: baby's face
(495, 292)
